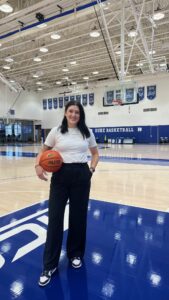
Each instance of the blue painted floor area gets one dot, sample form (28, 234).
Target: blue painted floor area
(126, 256)
(110, 159)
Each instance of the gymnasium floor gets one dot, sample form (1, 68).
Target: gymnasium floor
(127, 240)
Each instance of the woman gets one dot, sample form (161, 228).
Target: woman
(72, 139)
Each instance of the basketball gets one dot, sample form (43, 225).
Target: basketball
(51, 161)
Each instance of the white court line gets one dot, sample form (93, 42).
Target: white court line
(23, 219)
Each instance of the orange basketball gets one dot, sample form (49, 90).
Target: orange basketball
(51, 161)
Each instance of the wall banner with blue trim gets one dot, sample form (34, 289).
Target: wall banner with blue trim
(151, 92)
(84, 99)
(50, 103)
(44, 103)
(141, 93)
(78, 98)
(72, 98)
(109, 97)
(66, 100)
(60, 102)
(55, 103)
(129, 95)
(91, 98)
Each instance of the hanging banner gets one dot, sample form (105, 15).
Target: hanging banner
(109, 97)
(60, 102)
(84, 99)
(78, 98)
(141, 93)
(55, 103)
(151, 92)
(129, 95)
(66, 100)
(44, 103)
(91, 98)
(50, 103)
(72, 98)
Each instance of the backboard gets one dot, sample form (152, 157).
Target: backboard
(123, 93)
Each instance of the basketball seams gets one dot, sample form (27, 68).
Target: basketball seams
(51, 161)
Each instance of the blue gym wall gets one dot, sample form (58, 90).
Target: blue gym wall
(140, 134)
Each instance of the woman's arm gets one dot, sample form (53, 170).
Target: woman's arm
(40, 172)
(94, 159)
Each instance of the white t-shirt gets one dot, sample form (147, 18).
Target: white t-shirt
(71, 145)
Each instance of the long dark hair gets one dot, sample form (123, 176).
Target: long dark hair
(81, 125)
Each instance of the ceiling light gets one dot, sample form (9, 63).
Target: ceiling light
(6, 8)
(152, 52)
(73, 62)
(95, 72)
(118, 52)
(35, 76)
(86, 77)
(0, 44)
(158, 14)
(65, 69)
(40, 89)
(42, 25)
(73, 82)
(58, 82)
(43, 49)
(66, 78)
(139, 64)
(37, 59)
(163, 65)
(38, 82)
(55, 36)
(6, 67)
(94, 33)
(9, 59)
(12, 81)
(132, 33)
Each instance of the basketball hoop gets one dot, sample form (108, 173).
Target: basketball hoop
(117, 102)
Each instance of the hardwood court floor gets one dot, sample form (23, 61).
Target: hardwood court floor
(136, 175)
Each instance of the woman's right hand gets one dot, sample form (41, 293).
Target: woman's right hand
(41, 173)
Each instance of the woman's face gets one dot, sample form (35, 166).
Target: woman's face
(72, 115)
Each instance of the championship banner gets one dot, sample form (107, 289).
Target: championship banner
(109, 97)
(44, 103)
(141, 93)
(50, 103)
(66, 100)
(60, 102)
(84, 99)
(72, 98)
(151, 92)
(129, 95)
(55, 103)
(91, 98)
(78, 98)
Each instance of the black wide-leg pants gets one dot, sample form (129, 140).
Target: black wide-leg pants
(71, 182)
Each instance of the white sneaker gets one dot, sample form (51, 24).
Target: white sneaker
(76, 262)
(45, 277)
